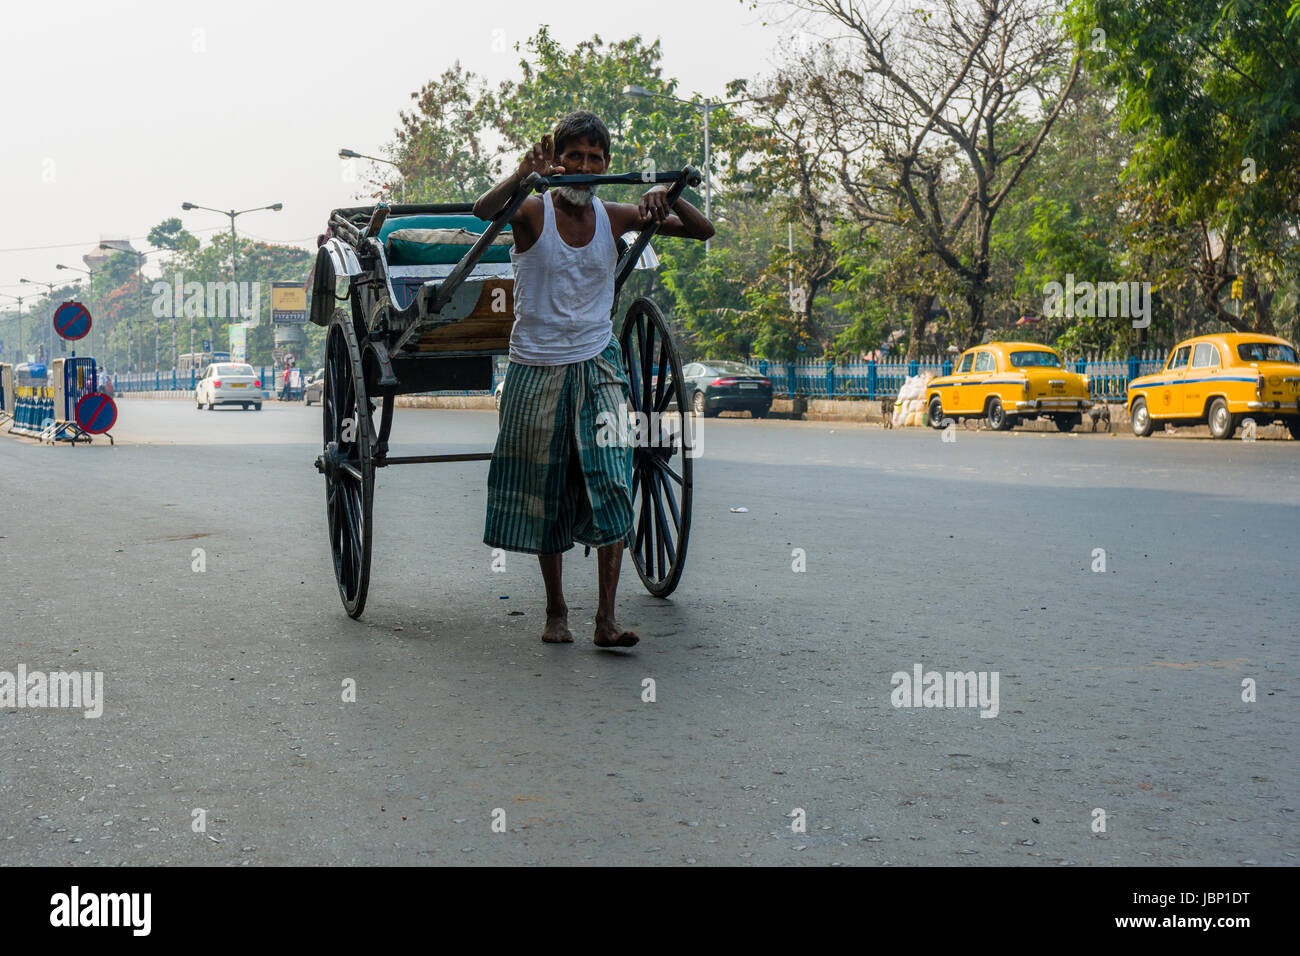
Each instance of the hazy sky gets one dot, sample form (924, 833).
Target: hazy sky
(112, 114)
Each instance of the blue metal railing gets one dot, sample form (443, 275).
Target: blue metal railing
(163, 380)
(859, 379)
(1107, 378)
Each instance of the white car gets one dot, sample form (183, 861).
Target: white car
(229, 383)
(314, 388)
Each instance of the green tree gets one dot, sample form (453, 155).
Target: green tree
(441, 148)
(657, 134)
(727, 303)
(1210, 90)
(171, 234)
(652, 135)
(1071, 218)
(884, 274)
(933, 115)
(778, 156)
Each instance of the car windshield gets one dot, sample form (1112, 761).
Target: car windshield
(1035, 359)
(234, 370)
(1266, 352)
(732, 368)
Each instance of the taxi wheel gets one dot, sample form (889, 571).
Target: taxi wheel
(1293, 426)
(1140, 419)
(935, 412)
(1067, 423)
(1222, 422)
(997, 416)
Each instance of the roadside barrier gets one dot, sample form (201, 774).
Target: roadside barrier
(42, 401)
(33, 400)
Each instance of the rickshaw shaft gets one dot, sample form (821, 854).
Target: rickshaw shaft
(426, 459)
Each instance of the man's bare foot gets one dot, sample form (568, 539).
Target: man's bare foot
(557, 629)
(609, 634)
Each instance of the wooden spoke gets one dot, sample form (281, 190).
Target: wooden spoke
(669, 496)
(663, 466)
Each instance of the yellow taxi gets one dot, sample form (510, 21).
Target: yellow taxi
(1220, 380)
(1007, 382)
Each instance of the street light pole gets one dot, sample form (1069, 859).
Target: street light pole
(346, 153)
(708, 169)
(49, 338)
(274, 207)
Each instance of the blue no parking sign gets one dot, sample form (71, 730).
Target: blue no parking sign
(95, 413)
(72, 321)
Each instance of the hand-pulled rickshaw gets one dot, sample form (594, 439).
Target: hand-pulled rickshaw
(419, 298)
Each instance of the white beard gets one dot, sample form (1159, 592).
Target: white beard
(576, 195)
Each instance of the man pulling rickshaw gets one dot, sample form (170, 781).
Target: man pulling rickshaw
(423, 297)
(551, 482)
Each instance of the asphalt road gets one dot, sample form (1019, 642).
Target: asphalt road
(1118, 691)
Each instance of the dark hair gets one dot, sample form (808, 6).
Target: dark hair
(581, 125)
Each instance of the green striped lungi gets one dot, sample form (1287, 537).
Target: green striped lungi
(551, 482)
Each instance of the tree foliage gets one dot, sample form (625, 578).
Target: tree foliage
(1211, 91)
(440, 148)
(934, 114)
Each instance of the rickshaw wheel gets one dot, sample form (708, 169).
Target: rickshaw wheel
(347, 462)
(662, 466)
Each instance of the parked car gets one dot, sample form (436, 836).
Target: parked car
(496, 394)
(717, 386)
(1219, 380)
(232, 383)
(315, 387)
(1009, 382)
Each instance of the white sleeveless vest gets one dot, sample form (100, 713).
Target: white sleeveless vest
(563, 296)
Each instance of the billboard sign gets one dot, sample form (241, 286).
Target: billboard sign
(288, 303)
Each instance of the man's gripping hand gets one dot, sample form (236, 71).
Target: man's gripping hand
(654, 205)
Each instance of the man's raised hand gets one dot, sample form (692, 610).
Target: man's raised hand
(540, 160)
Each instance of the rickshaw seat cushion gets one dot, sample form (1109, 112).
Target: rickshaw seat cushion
(455, 234)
